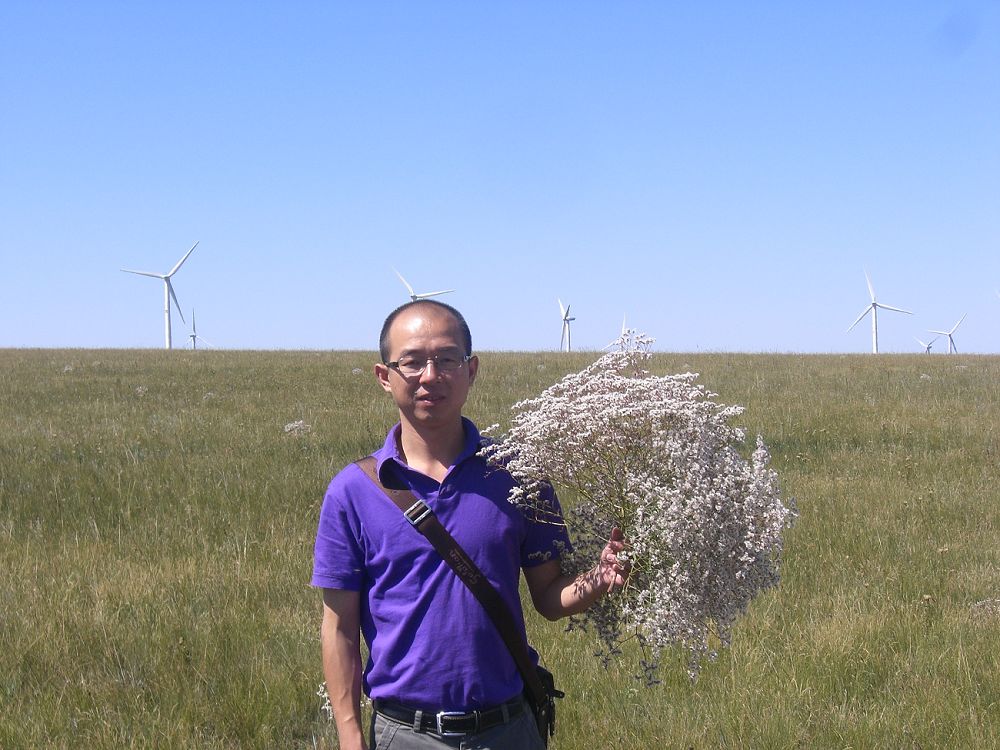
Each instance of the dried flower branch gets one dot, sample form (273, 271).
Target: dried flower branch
(325, 708)
(657, 457)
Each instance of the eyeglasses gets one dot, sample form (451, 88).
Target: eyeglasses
(410, 367)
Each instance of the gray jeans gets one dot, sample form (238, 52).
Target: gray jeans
(518, 734)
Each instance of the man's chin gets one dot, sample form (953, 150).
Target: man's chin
(436, 413)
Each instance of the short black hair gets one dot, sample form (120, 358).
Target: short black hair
(463, 327)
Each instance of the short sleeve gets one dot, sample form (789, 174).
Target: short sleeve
(547, 537)
(338, 558)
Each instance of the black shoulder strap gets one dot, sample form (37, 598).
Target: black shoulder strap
(422, 518)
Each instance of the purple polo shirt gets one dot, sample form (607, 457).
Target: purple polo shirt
(431, 644)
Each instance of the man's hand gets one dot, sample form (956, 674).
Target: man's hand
(613, 570)
(556, 595)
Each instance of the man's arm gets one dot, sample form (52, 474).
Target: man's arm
(556, 595)
(341, 643)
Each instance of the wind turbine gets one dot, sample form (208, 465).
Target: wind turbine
(168, 291)
(564, 340)
(927, 344)
(952, 349)
(423, 295)
(873, 309)
(195, 338)
(621, 337)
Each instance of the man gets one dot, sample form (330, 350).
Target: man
(433, 651)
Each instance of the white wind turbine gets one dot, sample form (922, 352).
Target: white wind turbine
(195, 338)
(423, 295)
(873, 309)
(952, 349)
(168, 291)
(621, 337)
(564, 340)
(927, 344)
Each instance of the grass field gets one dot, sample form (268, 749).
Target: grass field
(156, 528)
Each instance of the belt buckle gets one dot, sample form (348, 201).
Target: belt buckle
(453, 714)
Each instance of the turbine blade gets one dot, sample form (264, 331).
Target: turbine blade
(861, 316)
(890, 307)
(181, 261)
(869, 282)
(144, 273)
(170, 288)
(435, 294)
(943, 333)
(955, 327)
(562, 310)
(405, 283)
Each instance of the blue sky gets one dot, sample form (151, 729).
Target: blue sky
(720, 174)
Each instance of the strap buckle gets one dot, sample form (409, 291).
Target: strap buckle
(417, 514)
(455, 714)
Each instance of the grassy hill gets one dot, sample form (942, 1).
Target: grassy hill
(157, 519)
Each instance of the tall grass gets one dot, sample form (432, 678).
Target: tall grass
(156, 527)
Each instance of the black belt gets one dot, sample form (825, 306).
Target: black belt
(450, 723)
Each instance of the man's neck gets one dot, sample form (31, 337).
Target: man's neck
(431, 450)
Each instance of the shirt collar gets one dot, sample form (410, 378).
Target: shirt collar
(390, 448)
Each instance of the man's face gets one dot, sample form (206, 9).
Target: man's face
(434, 397)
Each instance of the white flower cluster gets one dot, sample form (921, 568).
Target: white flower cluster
(298, 427)
(656, 457)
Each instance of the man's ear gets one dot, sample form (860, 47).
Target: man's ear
(382, 375)
(473, 368)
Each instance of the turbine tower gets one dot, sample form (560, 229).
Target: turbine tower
(168, 291)
(423, 295)
(564, 340)
(952, 349)
(926, 344)
(194, 331)
(873, 309)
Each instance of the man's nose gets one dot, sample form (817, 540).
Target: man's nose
(426, 374)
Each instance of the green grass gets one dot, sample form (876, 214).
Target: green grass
(156, 527)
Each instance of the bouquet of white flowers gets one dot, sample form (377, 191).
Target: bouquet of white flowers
(656, 457)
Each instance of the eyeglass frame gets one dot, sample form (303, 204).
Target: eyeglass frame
(463, 360)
